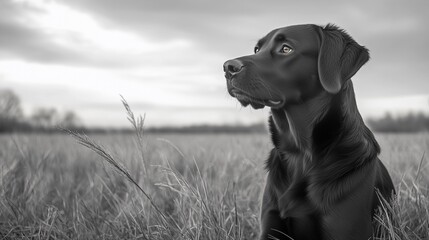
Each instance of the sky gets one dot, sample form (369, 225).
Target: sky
(165, 57)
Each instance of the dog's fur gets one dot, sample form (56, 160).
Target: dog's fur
(323, 172)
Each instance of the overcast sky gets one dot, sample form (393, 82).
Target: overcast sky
(165, 57)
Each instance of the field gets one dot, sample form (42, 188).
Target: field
(192, 186)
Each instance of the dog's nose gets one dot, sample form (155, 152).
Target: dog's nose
(233, 66)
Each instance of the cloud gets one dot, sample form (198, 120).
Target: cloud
(47, 32)
(234, 21)
(17, 39)
(392, 30)
(129, 33)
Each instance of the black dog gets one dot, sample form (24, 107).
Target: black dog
(323, 171)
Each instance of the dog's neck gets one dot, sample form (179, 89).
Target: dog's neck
(318, 124)
(294, 124)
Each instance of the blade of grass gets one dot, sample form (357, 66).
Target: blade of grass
(87, 142)
(137, 124)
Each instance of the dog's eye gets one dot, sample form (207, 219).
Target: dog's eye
(256, 49)
(286, 49)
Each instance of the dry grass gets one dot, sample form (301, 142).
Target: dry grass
(169, 186)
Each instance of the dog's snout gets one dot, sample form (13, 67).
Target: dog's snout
(233, 66)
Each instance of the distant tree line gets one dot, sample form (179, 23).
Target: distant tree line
(412, 122)
(12, 118)
(253, 128)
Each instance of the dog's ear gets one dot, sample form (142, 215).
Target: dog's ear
(340, 57)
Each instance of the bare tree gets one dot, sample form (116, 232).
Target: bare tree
(45, 117)
(10, 105)
(10, 111)
(70, 120)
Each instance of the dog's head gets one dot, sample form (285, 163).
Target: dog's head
(292, 64)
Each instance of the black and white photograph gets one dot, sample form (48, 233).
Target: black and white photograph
(214, 120)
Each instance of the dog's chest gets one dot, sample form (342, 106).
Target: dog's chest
(294, 168)
(297, 164)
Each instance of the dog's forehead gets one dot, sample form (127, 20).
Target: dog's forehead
(295, 32)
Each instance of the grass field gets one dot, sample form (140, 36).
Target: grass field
(192, 187)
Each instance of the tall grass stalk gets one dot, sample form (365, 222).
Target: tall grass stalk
(138, 124)
(89, 143)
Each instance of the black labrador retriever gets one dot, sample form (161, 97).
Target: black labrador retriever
(323, 172)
